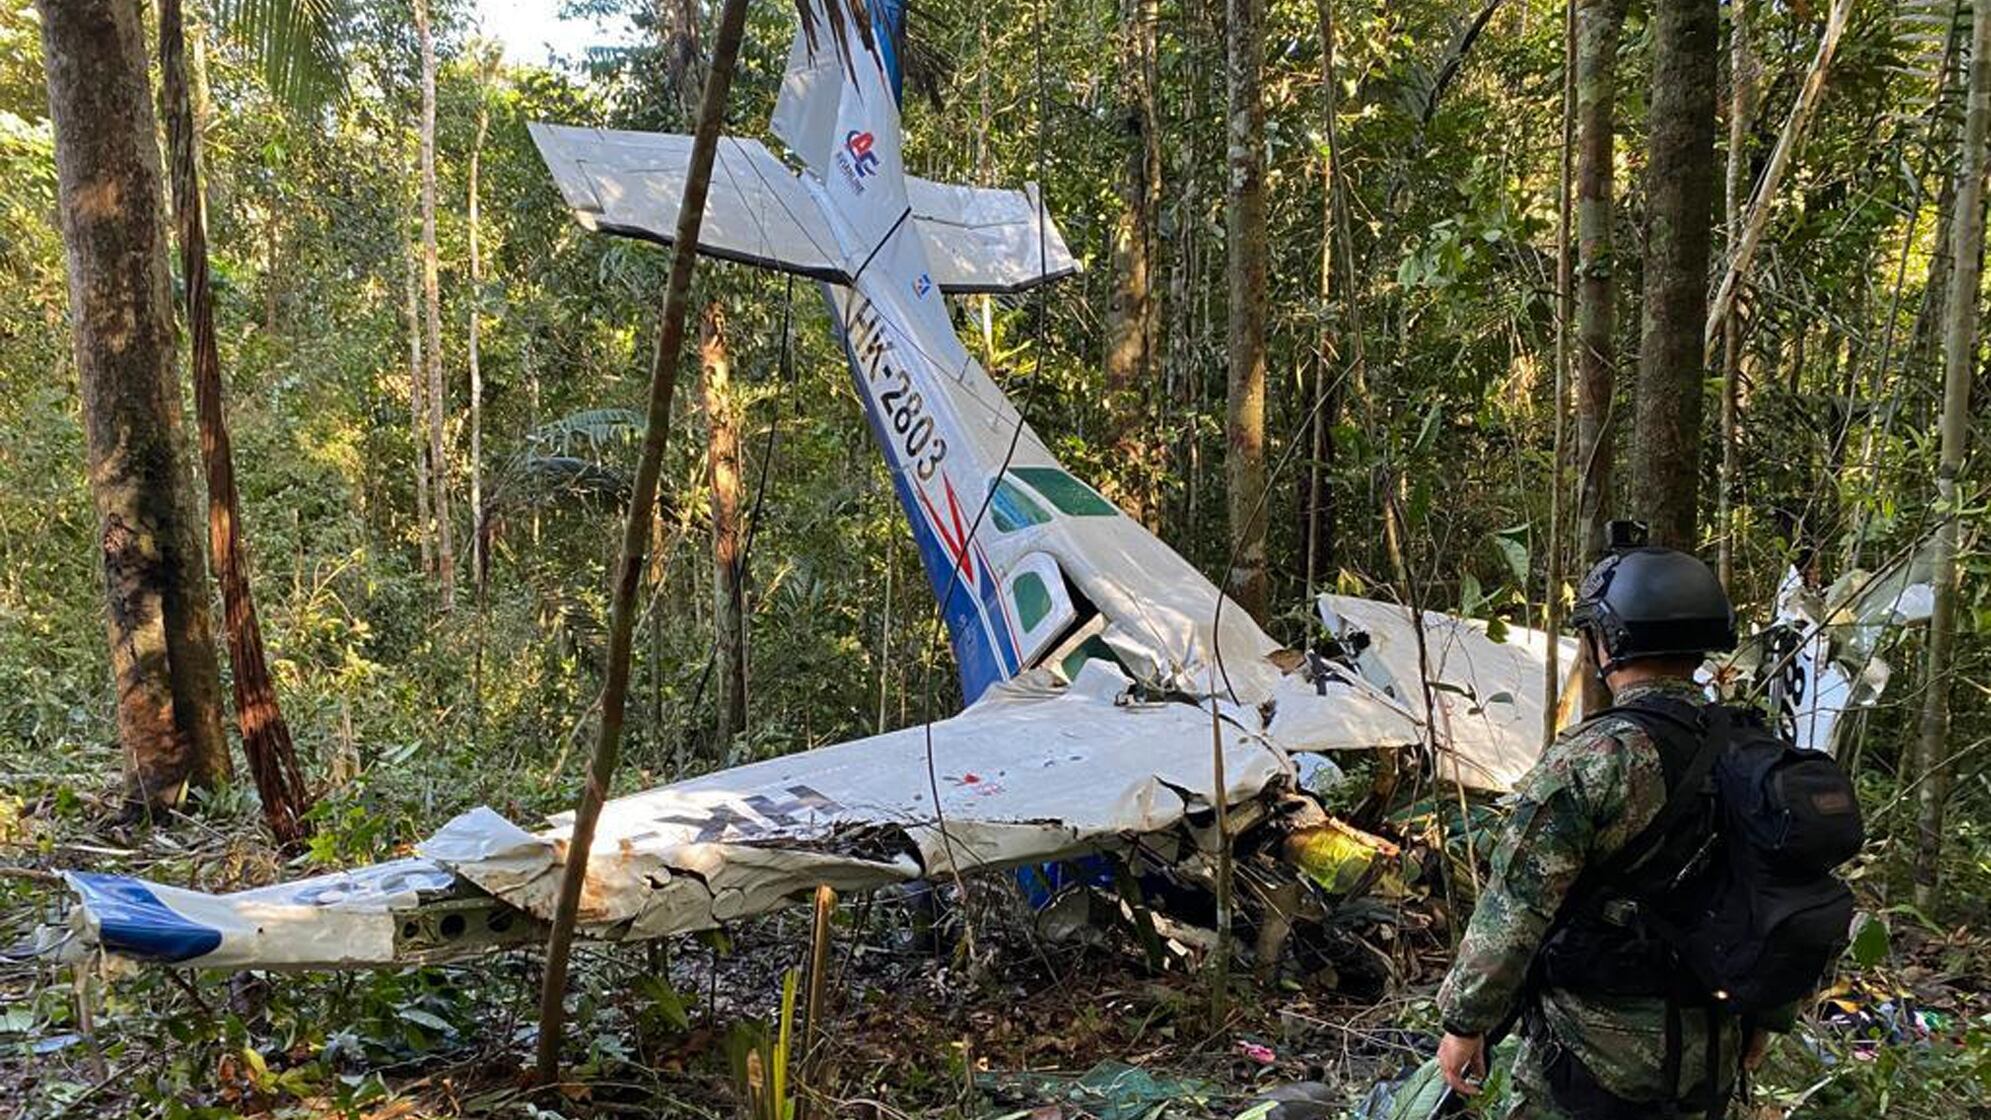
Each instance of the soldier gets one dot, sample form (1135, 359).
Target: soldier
(1647, 616)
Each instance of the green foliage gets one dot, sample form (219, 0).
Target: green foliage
(295, 43)
(762, 1079)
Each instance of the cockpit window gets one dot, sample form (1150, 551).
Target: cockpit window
(1012, 509)
(1065, 492)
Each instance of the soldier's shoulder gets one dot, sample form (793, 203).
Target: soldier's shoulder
(1610, 730)
(1590, 756)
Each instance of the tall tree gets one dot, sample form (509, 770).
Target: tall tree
(1246, 266)
(629, 561)
(265, 735)
(684, 72)
(108, 183)
(436, 398)
(729, 700)
(418, 405)
(1933, 748)
(1318, 519)
(1735, 182)
(1133, 310)
(487, 69)
(1679, 200)
(1598, 26)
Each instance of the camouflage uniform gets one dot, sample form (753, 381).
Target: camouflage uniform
(1594, 789)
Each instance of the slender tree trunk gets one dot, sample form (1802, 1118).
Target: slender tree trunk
(418, 409)
(1132, 360)
(636, 535)
(1666, 454)
(108, 182)
(266, 739)
(1182, 372)
(1933, 748)
(479, 562)
(1741, 117)
(1246, 265)
(723, 472)
(438, 398)
(1565, 314)
(1743, 252)
(1319, 520)
(1598, 24)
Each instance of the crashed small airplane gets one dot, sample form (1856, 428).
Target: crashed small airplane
(1099, 671)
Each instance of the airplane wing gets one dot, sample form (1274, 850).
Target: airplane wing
(632, 183)
(1486, 695)
(758, 212)
(1036, 771)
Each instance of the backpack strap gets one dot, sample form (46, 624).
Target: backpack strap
(1690, 739)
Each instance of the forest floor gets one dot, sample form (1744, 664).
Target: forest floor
(1033, 1027)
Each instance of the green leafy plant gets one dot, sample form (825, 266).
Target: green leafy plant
(761, 1063)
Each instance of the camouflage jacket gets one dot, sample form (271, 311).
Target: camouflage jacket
(1594, 789)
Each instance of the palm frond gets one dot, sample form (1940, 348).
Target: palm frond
(595, 428)
(295, 43)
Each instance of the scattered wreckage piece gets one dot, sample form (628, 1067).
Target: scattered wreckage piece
(1036, 771)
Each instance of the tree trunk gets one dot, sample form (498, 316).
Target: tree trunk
(266, 739)
(723, 468)
(418, 409)
(636, 536)
(1666, 453)
(1246, 266)
(1743, 252)
(1565, 314)
(1132, 358)
(1741, 117)
(108, 180)
(479, 562)
(1318, 522)
(1598, 24)
(1933, 749)
(438, 399)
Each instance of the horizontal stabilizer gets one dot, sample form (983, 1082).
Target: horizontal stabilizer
(984, 240)
(758, 212)
(631, 183)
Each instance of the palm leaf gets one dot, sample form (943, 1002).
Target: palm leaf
(295, 43)
(596, 428)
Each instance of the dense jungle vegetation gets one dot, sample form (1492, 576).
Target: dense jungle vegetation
(434, 586)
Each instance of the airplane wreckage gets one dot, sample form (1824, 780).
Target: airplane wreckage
(1101, 671)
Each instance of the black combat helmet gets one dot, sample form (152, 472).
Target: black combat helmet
(1653, 602)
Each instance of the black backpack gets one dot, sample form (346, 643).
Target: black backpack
(1734, 877)
(1726, 901)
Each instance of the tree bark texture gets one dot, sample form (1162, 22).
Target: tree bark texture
(1666, 450)
(437, 397)
(1741, 117)
(108, 181)
(1247, 264)
(722, 461)
(418, 410)
(1133, 357)
(266, 741)
(1598, 24)
(1934, 752)
(1318, 519)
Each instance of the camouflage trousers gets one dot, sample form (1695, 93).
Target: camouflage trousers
(1528, 1095)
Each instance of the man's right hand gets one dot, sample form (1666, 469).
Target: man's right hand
(1462, 1060)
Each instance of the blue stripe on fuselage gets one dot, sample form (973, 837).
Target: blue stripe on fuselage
(134, 923)
(984, 651)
